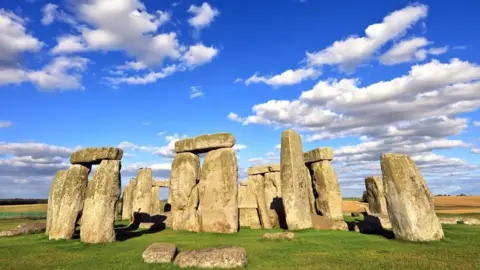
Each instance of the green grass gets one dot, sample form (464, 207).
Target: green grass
(311, 250)
(23, 215)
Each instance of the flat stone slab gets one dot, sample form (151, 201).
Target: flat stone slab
(279, 236)
(224, 257)
(448, 220)
(471, 221)
(96, 155)
(274, 167)
(258, 170)
(161, 183)
(205, 143)
(25, 228)
(318, 154)
(159, 253)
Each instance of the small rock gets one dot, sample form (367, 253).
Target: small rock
(25, 228)
(225, 257)
(448, 220)
(279, 236)
(471, 221)
(159, 253)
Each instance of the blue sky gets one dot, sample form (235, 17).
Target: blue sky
(363, 78)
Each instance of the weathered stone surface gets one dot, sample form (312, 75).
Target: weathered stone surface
(318, 154)
(279, 236)
(218, 192)
(375, 195)
(118, 210)
(205, 143)
(71, 202)
(329, 201)
(96, 155)
(142, 196)
(246, 198)
(471, 221)
(161, 183)
(54, 198)
(225, 257)
(274, 167)
(258, 170)
(271, 197)
(156, 206)
(184, 192)
(448, 220)
(99, 211)
(128, 200)
(159, 253)
(25, 228)
(311, 196)
(294, 188)
(409, 201)
(257, 183)
(248, 217)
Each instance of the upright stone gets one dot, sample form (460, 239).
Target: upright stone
(377, 203)
(128, 200)
(247, 208)
(218, 192)
(71, 202)
(329, 201)
(311, 196)
(156, 206)
(257, 183)
(142, 202)
(54, 198)
(184, 194)
(294, 189)
(409, 201)
(99, 212)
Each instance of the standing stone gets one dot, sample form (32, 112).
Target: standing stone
(156, 206)
(128, 200)
(271, 197)
(99, 212)
(142, 202)
(294, 189)
(218, 192)
(184, 192)
(54, 198)
(71, 202)
(257, 183)
(329, 201)
(377, 203)
(409, 201)
(311, 196)
(247, 208)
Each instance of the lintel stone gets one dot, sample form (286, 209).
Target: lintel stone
(318, 154)
(95, 155)
(205, 143)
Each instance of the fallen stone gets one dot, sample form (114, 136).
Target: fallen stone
(205, 143)
(224, 257)
(318, 154)
(448, 220)
(294, 189)
(409, 201)
(25, 228)
(326, 223)
(54, 198)
(258, 170)
(329, 201)
(218, 192)
(471, 221)
(103, 191)
(279, 236)
(159, 253)
(71, 202)
(142, 196)
(96, 155)
(375, 195)
(128, 200)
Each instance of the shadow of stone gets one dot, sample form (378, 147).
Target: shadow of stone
(156, 224)
(370, 225)
(277, 206)
(167, 207)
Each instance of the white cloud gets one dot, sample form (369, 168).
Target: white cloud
(404, 51)
(475, 150)
(5, 124)
(234, 117)
(48, 13)
(476, 123)
(195, 92)
(199, 54)
(239, 147)
(238, 80)
(203, 15)
(146, 78)
(132, 65)
(288, 77)
(355, 50)
(14, 38)
(278, 146)
(34, 150)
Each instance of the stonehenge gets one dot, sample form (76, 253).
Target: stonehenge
(377, 203)
(409, 201)
(128, 200)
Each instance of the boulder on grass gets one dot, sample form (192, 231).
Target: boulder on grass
(279, 236)
(159, 253)
(224, 257)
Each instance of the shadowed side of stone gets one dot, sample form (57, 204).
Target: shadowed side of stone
(294, 190)
(409, 201)
(205, 143)
(218, 192)
(159, 253)
(156, 205)
(99, 211)
(257, 184)
(375, 195)
(329, 201)
(128, 200)
(71, 202)
(224, 257)
(96, 155)
(54, 197)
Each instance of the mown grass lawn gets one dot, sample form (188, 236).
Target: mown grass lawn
(311, 250)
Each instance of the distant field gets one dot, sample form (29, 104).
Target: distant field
(24, 208)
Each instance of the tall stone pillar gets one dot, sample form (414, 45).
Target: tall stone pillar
(377, 203)
(128, 200)
(142, 201)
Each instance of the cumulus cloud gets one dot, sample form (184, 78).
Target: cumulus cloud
(199, 54)
(376, 36)
(5, 124)
(203, 15)
(288, 77)
(167, 151)
(234, 117)
(410, 50)
(34, 150)
(48, 13)
(476, 123)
